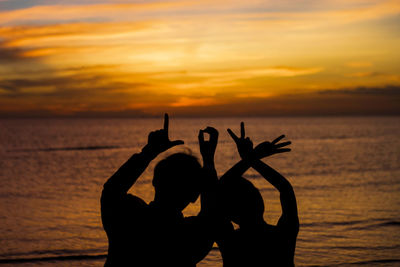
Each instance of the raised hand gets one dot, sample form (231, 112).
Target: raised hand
(243, 144)
(207, 148)
(158, 141)
(265, 149)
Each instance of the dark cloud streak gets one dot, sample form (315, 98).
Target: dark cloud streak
(67, 86)
(10, 54)
(391, 90)
(361, 101)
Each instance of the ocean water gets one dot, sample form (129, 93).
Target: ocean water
(345, 172)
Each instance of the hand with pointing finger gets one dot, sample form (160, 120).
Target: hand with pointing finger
(158, 141)
(265, 149)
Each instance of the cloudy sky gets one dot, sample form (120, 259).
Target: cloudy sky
(199, 57)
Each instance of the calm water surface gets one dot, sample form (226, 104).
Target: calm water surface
(345, 172)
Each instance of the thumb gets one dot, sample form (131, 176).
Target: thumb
(176, 143)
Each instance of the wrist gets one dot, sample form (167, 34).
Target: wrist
(207, 157)
(209, 163)
(248, 160)
(255, 162)
(148, 152)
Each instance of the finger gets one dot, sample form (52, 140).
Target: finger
(234, 137)
(201, 137)
(166, 122)
(263, 145)
(282, 150)
(211, 130)
(213, 134)
(283, 144)
(278, 139)
(242, 132)
(176, 143)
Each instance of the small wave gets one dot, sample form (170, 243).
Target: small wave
(49, 253)
(377, 225)
(373, 248)
(346, 185)
(66, 148)
(378, 222)
(377, 261)
(333, 223)
(54, 258)
(360, 263)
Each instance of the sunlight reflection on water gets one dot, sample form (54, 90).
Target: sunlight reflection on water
(345, 172)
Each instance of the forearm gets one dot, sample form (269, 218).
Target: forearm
(287, 195)
(211, 210)
(209, 167)
(209, 191)
(237, 170)
(272, 176)
(123, 179)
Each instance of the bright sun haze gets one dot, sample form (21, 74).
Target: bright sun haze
(199, 58)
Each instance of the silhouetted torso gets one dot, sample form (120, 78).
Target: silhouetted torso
(265, 245)
(143, 234)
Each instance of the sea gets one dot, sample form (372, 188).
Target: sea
(345, 172)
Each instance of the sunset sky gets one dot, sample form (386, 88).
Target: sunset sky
(199, 58)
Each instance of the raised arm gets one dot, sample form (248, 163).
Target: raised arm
(251, 158)
(287, 196)
(130, 171)
(207, 150)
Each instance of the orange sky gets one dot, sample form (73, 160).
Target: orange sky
(199, 58)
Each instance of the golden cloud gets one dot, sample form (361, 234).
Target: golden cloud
(359, 64)
(200, 9)
(186, 102)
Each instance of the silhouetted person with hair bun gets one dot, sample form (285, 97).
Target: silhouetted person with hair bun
(157, 234)
(256, 243)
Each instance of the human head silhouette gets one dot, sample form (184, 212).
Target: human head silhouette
(177, 181)
(242, 202)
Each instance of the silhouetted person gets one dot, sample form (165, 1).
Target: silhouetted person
(256, 243)
(157, 234)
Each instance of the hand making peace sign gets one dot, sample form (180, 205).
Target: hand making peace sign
(265, 149)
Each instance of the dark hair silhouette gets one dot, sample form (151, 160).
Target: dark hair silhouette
(241, 201)
(178, 180)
